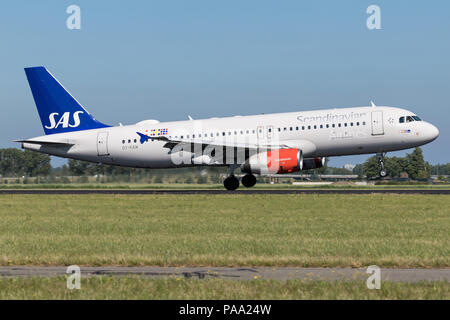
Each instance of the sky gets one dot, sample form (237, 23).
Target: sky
(165, 60)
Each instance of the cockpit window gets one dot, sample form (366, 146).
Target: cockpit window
(416, 118)
(402, 119)
(409, 119)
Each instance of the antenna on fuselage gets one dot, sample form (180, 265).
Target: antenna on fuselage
(190, 118)
(373, 104)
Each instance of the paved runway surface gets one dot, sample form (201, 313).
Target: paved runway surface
(217, 191)
(326, 274)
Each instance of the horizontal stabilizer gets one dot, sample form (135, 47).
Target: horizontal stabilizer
(54, 143)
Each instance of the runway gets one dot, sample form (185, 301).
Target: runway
(222, 192)
(284, 273)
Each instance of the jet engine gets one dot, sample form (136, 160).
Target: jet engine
(313, 163)
(274, 161)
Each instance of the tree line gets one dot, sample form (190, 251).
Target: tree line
(413, 164)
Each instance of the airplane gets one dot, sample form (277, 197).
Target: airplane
(256, 144)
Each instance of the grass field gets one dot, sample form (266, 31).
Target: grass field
(226, 230)
(144, 288)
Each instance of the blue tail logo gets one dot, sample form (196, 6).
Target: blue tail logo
(58, 110)
(63, 120)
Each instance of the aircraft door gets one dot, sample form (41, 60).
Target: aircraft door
(102, 144)
(377, 123)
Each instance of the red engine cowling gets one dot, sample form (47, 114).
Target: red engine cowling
(274, 161)
(313, 163)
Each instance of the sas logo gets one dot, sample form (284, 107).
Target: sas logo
(64, 120)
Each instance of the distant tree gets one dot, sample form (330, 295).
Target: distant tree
(359, 170)
(11, 162)
(371, 167)
(35, 163)
(395, 166)
(416, 167)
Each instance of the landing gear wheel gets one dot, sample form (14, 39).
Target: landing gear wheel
(231, 183)
(383, 172)
(248, 180)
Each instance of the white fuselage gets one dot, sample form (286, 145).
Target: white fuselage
(320, 133)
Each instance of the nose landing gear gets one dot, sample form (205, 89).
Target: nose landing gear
(380, 158)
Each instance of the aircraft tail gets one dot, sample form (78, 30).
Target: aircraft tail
(58, 110)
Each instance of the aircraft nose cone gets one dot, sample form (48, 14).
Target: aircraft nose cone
(432, 132)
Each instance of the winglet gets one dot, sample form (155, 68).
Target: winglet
(144, 138)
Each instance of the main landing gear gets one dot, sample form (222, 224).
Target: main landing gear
(380, 158)
(248, 180)
(232, 183)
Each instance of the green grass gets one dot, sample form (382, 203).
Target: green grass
(145, 288)
(226, 230)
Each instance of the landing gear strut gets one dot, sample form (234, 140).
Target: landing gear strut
(231, 182)
(248, 180)
(380, 158)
